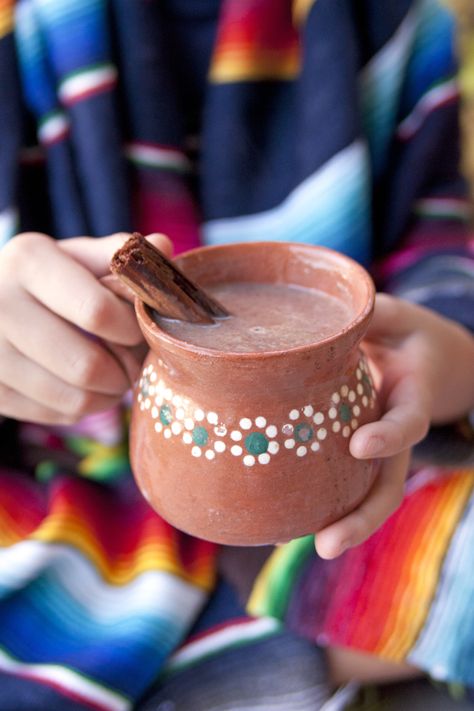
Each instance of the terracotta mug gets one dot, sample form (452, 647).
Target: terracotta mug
(253, 448)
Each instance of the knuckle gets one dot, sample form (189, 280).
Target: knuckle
(78, 405)
(88, 369)
(93, 314)
(21, 254)
(26, 243)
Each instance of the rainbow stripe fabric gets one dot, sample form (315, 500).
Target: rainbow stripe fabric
(96, 590)
(317, 121)
(415, 562)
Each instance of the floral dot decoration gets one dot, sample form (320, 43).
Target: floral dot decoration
(255, 439)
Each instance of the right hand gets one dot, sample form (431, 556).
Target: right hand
(66, 341)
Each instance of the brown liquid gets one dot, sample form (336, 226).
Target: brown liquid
(266, 317)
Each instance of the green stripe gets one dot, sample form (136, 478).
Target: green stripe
(158, 165)
(284, 575)
(87, 70)
(93, 682)
(49, 115)
(442, 214)
(176, 666)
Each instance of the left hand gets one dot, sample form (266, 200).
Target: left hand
(424, 366)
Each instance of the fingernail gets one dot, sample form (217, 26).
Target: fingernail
(374, 446)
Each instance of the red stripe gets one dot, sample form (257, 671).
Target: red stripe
(64, 691)
(233, 622)
(106, 86)
(244, 26)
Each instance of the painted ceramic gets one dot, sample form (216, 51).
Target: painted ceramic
(249, 449)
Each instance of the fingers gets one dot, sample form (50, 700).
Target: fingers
(404, 424)
(37, 384)
(61, 349)
(392, 317)
(13, 404)
(384, 498)
(130, 359)
(95, 253)
(69, 290)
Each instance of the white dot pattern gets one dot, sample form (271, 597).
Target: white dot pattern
(175, 415)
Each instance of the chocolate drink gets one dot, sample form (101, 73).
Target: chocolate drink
(266, 317)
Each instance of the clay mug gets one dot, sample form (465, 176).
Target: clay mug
(253, 448)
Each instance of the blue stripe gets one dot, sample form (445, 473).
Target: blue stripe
(76, 33)
(331, 208)
(38, 82)
(446, 645)
(434, 55)
(43, 624)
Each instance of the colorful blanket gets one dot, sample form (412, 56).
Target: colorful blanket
(324, 122)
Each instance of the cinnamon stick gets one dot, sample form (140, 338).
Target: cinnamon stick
(161, 285)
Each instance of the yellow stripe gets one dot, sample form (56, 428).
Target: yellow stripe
(256, 604)
(6, 19)
(415, 600)
(301, 10)
(240, 66)
(154, 555)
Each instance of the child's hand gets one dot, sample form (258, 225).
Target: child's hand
(51, 370)
(425, 369)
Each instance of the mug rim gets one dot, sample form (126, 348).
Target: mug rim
(361, 319)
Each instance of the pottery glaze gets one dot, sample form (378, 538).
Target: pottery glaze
(253, 448)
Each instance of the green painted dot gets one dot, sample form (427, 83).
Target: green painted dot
(345, 412)
(144, 387)
(256, 443)
(303, 432)
(166, 416)
(200, 436)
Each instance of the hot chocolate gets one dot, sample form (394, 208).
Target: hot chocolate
(266, 317)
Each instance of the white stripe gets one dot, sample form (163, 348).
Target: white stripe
(343, 696)
(155, 592)
(52, 128)
(309, 697)
(427, 103)
(434, 650)
(343, 174)
(380, 85)
(155, 156)
(393, 52)
(223, 638)
(439, 206)
(68, 679)
(8, 224)
(87, 80)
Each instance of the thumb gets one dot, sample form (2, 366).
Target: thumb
(95, 253)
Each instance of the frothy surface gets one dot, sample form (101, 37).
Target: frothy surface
(265, 317)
